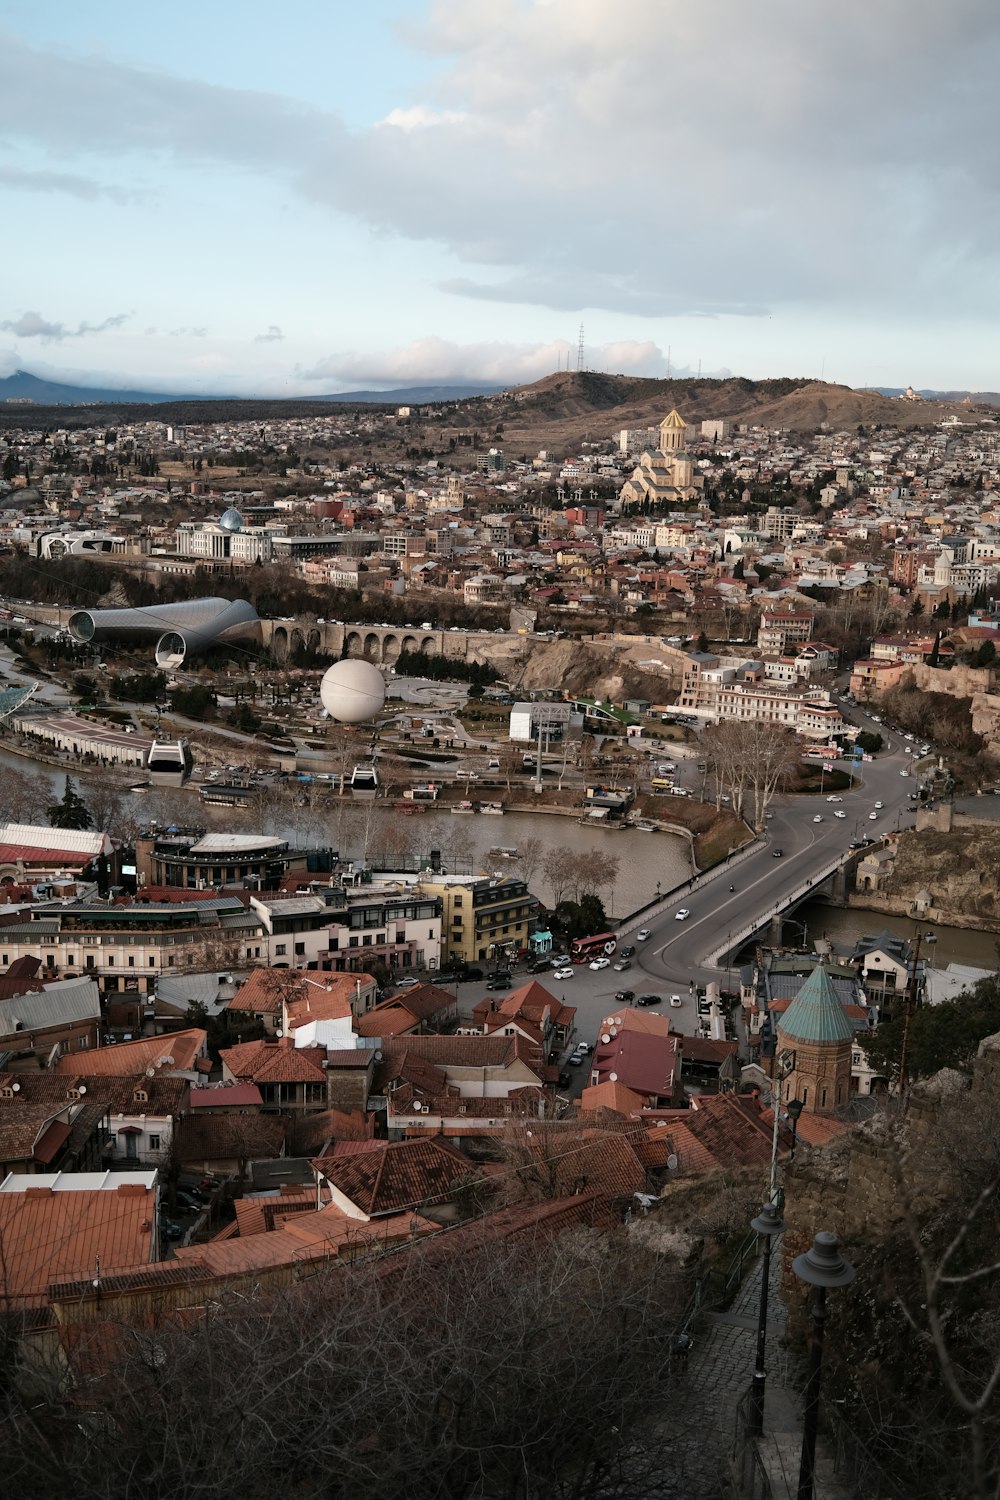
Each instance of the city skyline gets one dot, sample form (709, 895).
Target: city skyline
(443, 192)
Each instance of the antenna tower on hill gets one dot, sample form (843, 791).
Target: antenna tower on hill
(579, 350)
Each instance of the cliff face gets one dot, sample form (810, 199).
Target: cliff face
(960, 869)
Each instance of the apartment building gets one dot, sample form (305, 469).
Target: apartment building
(480, 915)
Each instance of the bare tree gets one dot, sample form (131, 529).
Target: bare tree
(559, 866)
(529, 856)
(23, 798)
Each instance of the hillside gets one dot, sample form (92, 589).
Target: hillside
(564, 410)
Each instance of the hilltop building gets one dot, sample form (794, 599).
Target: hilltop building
(666, 475)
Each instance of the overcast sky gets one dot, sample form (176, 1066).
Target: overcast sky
(240, 196)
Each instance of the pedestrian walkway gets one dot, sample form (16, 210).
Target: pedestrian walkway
(720, 1369)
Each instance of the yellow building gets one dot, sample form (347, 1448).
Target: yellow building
(480, 914)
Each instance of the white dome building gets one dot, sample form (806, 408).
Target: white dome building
(352, 691)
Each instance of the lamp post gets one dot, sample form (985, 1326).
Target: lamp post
(794, 1108)
(769, 1224)
(821, 1266)
(909, 1006)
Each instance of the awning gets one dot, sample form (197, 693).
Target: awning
(130, 1130)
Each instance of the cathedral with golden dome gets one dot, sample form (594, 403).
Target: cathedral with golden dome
(666, 476)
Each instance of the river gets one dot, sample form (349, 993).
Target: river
(464, 841)
(844, 925)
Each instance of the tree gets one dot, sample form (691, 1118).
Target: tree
(23, 798)
(946, 1035)
(71, 811)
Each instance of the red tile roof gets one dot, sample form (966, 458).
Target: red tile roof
(403, 1175)
(59, 1236)
(275, 1062)
(130, 1058)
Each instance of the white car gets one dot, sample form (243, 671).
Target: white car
(839, 814)
(562, 974)
(683, 914)
(643, 934)
(818, 818)
(601, 963)
(872, 816)
(879, 806)
(675, 1001)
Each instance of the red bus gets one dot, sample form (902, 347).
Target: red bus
(601, 945)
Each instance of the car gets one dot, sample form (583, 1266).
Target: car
(583, 1047)
(171, 1229)
(683, 914)
(904, 772)
(622, 965)
(498, 982)
(563, 974)
(834, 799)
(873, 815)
(565, 1078)
(559, 960)
(600, 963)
(540, 966)
(675, 1001)
(624, 997)
(840, 813)
(649, 999)
(818, 818)
(627, 952)
(643, 935)
(879, 806)
(576, 1059)
(777, 853)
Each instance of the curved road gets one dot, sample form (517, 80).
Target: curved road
(677, 952)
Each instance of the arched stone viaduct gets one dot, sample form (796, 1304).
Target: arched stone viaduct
(381, 644)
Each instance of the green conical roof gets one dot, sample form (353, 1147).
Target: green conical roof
(816, 1014)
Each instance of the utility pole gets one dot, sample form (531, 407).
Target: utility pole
(910, 1005)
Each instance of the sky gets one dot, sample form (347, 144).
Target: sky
(237, 197)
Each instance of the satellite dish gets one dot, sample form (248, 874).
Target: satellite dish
(378, 1054)
(15, 1088)
(613, 1077)
(150, 1072)
(618, 1020)
(279, 1032)
(605, 1037)
(671, 1163)
(82, 1089)
(614, 1032)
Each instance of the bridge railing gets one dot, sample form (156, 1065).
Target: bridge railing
(740, 935)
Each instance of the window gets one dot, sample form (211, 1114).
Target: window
(458, 902)
(152, 963)
(154, 1143)
(111, 960)
(823, 1097)
(90, 960)
(131, 962)
(805, 1097)
(50, 959)
(280, 948)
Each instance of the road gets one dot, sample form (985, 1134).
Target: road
(677, 952)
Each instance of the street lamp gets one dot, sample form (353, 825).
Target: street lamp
(821, 1267)
(768, 1223)
(793, 1109)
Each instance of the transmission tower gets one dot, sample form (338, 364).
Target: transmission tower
(579, 350)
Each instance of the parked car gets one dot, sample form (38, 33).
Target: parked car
(565, 1078)
(576, 1059)
(649, 999)
(683, 914)
(171, 1229)
(540, 966)
(624, 997)
(643, 935)
(583, 1047)
(600, 963)
(498, 982)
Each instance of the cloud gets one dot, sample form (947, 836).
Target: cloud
(273, 335)
(187, 333)
(31, 325)
(84, 188)
(434, 359)
(638, 158)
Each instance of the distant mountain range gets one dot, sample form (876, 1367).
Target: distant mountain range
(978, 398)
(23, 387)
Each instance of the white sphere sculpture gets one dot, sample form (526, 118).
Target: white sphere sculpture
(352, 691)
